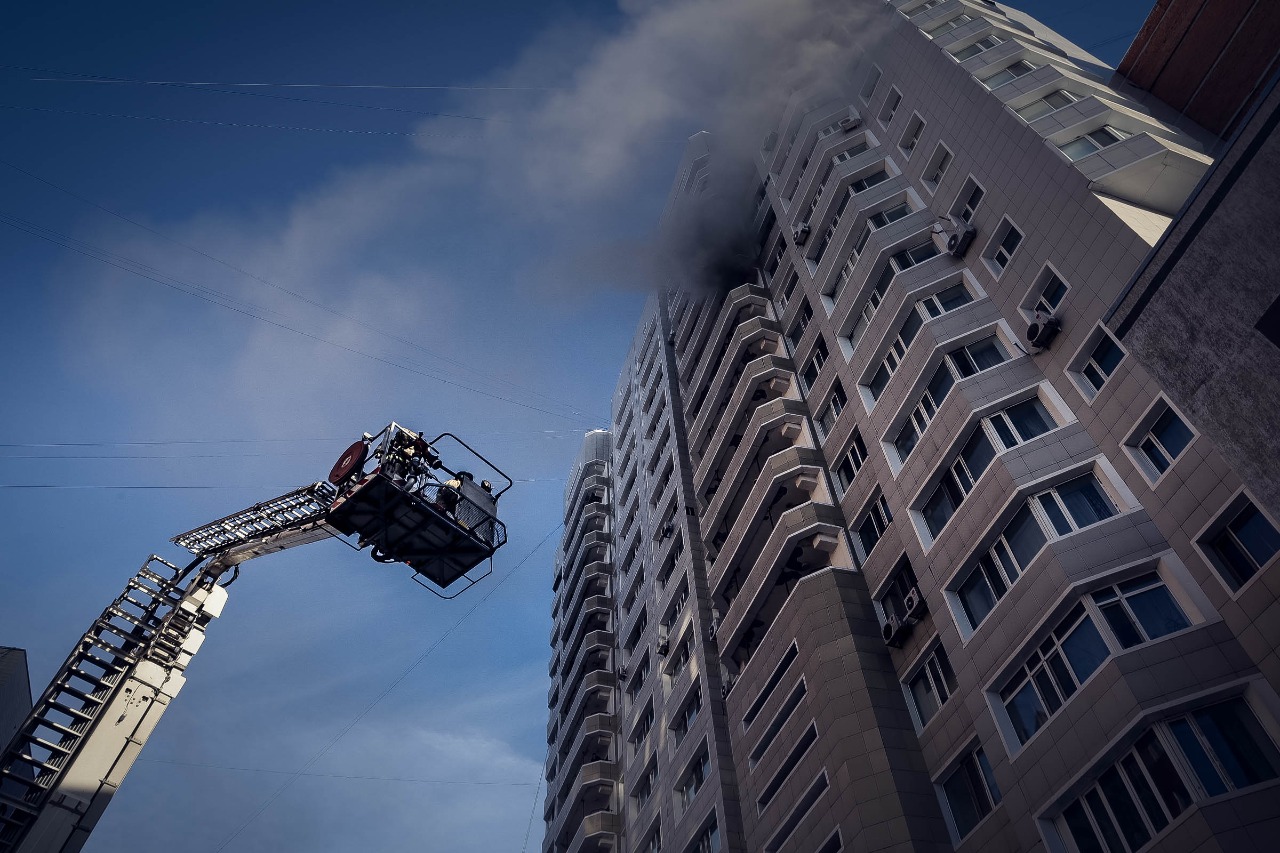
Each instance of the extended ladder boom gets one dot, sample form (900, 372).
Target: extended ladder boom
(85, 732)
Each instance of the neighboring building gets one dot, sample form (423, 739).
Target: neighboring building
(897, 546)
(15, 691)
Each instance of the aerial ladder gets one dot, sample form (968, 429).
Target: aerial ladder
(388, 492)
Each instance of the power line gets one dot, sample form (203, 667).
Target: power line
(296, 295)
(529, 826)
(201, 87)
(394, 684)
(128, 265)
(253, 125)
(409, 779)
(98, 78)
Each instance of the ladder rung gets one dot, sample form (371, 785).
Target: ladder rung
(50, 745)
(59, 727)
(74, 712)
(80, 694)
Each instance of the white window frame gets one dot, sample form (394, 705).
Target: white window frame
(1117, 135)
(1035, 302)
(996, 256)
(935, 169)
(1142, 431)
(1082, 360)
(960, 207)
(892, 103)
(1044, 99)
(874, 76)
(1222, 519)
(1024, 67)
(910, 139)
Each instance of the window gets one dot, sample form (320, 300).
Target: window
(1049, 293)
(694, 777)
(1159, 445)
(814, 367)
(708, 840)
(948, 25)
(937, 304)
(644, 788)
(1051, 102)
(775, 259)
(654, 843)
(874, 524)
(891, 104)
(849, 153)
(1009, 72)
(970, 792)
(1140, 610)
(958, 481)
(932, 685)
(1053, 513)
(643, 726)
(787, 766)
(679, 660)
(879, 220)
(1083, 146)
(869, 86)
(1103, 359)
(901, 582)
(1241, 543)
(1172, 765)
(831, 412)
(982, 45)
(784, 296)
(975, 357)
(918, 421)
(937, 167)
(925, 6)
(1053, 672)
(638, 679)
(1020, 423)
(911, 136)
(897, 351)
(972, 195)
(866, 183)
(831, 229)
(687, 716)
(1003, 251)
(851, 463)
(801, 323)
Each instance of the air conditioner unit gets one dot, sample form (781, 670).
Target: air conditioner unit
(664, 646)
(959, 237)
(800, 233)
(724, 690)
(622, 673)
(892, 631)
(913, 604)
(1042, 330)
(851, 123)
(712, 627)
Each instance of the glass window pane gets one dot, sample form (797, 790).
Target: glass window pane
(966, 808)
(1059, 99)
(1056, 517)
(953, 297)
(879, 381)
(1025, 537)
(976, 597)
(1233, 561)
(1173, 433)
(1153, 452)
(1030, 418)
(1078, 148)
(938, 510)
(1107, 355)
(1085, 500)
(1062, 676)
(1168, 782)
(1003, 431)
(906, 440)
(1103, 819)
(1122, 626)
(940, 384)
(1199, 760)
(1256, 534)
(1157, 612)
(1125, 810)
(988, 775)
(1035, 110)
(1238, 740)
(1146, 796)
(1085, 649)
(1048, 692)
(926, 700)
(987, 353)
(1081, 830)
(978, 453)
(1026, 712)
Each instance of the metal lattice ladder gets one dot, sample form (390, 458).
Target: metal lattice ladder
(152, 623)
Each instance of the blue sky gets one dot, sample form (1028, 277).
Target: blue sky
(463, 273)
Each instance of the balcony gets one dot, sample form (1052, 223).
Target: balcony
(786, 480)
(595, 691)
(598, 833)
(751, 339)
(802, 542)
(592, 741)
(769, 419)
(593, 481)
(743, 303)
(766, 378)
(594, 655)
(596, 571)
(591, 792)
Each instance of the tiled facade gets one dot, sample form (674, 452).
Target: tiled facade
(882, 571)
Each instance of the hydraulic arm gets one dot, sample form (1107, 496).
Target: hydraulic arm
(84, 733)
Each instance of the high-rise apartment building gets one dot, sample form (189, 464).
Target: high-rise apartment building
(897, 545)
